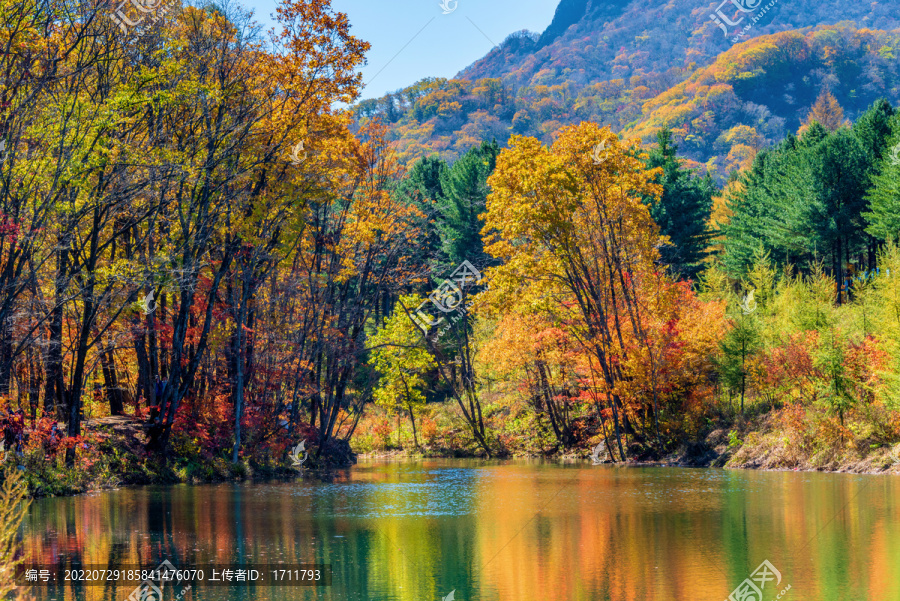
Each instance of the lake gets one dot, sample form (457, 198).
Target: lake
(523, 531)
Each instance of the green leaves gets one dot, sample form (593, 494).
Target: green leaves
(805, 200)
(401, 360)
(683, 211)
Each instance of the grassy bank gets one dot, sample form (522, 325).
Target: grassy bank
(786, 438)
(111, 453)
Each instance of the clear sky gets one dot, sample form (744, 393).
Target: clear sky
(412, 39)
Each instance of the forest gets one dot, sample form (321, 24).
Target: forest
(204, 265)
(723, 108)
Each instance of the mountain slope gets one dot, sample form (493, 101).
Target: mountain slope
(756, 93)
(622, 64)
(570, 12)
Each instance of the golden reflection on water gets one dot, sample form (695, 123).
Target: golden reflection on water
(518, 531)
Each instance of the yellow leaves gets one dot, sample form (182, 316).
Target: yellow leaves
(556, 209)
(579, 281)
(320, 56)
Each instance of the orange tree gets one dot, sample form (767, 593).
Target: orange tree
(578, 243)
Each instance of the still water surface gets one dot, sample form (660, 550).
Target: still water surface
(415, 531)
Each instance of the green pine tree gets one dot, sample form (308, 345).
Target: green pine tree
(423, 189)
(883, 216)
(464, 199)
(683, 211)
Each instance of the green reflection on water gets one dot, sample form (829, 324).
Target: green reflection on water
(496, 531)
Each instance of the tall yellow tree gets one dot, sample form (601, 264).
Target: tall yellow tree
(402, 362)
(575, 238)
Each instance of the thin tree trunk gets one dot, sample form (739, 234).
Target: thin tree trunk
(238, 354)
(54, 401)
(110, 379)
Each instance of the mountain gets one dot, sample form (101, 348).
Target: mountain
(635, 66)
(570, 12)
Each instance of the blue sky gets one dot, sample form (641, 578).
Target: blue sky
(445, 44)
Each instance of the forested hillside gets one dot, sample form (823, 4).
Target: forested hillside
(204, 266)
(636, 68)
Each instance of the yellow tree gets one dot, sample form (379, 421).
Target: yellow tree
(231, 116)
(575, 238)
(826, 112)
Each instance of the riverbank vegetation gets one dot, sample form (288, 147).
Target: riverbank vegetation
(203, 265)
(13, 506)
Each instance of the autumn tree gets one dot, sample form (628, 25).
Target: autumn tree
(826, 112)
(14, 504)
(575, 236)
(445, 323)
(350, 257)
(541, 359)
(231, 201)
(402, 363)
(740, 344)
(48, 47)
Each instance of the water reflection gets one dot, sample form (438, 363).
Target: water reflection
(521, 531)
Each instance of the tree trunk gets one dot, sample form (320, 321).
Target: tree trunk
(54, 399)
(6, 358)
(412, 420)
(239, 364)
(111, 381)
(34, 384)
(144, 379)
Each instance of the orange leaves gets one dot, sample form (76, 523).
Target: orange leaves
(670, 359)
(826, 112)
(321, 56)
(580, 271)
(522, 340)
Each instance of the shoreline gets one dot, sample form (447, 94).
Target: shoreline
(670, 462)
(761, 452)
(259, 474)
